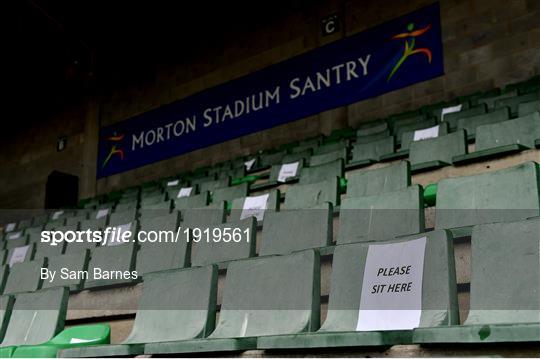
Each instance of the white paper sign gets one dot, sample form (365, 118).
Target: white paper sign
(173, 183)
(102, 213)
(15, 235)
(10, 227)
(116, 239)
(184, 192)
(249, 164)
(392, 286)
(255, 206)
(431, 132)
(57, 214)
(287, 170)
(448, 110)
(18, 255)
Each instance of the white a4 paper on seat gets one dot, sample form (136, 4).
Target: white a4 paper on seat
(254, 206)
(102, 213)
(57, 215)
(431, 132)
(115, 241)
(184, 192)
(173, 183)
(287, 170)
(10, 227)
(15, 235)
(249, 163)
(18, 256)
(392, 286)
(451, 109)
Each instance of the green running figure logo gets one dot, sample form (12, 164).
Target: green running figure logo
(409, 46)
(114, 149)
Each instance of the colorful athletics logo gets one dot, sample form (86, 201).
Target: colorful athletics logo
(409, 46)
(114, 150)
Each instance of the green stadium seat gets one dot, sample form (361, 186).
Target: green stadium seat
(528, 107)
(116, 258)
(213, 185)
(126, 206)
(315, 174)
(74, 263)
(324, 158)
(400, 129)
(153, 199)
(475, 97)
(499, 139)
(122, 217)
(262, 296)
(78, 247)
(94, 224)
(236, 241)
(46, 250)
(164, 207)
(371, 128)
(6, 305)
(230, 193)
(164, 255)
(24, 277)
(15, 239)
(506, 195)
(205, 216)
(33, 233)
(76, 220)
(381, 217)
(373, 137)
(313, 194)
(331, 147)
(491, 100)
(281, 173)
(344, 326)
(453, 118)
(187, 311)
(298, 156)
(514, 102)
(470, 124)
(367, 153)
(270, 159)
(234, 173)
(294, 230)
(196, 201)
(24, 223)
(395, 123)
(257, 206)
(36, 318)
(437, 152)
(339, 134)
(40, 220)
(504, 301)
(54, 224)
(73, 337)
(422, 133)
(390, 178)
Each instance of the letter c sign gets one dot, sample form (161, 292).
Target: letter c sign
(330, 25)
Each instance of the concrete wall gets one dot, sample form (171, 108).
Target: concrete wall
(487, 43)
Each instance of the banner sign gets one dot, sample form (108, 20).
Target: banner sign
(391, 56)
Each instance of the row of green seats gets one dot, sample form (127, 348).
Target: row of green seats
(273, 302)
